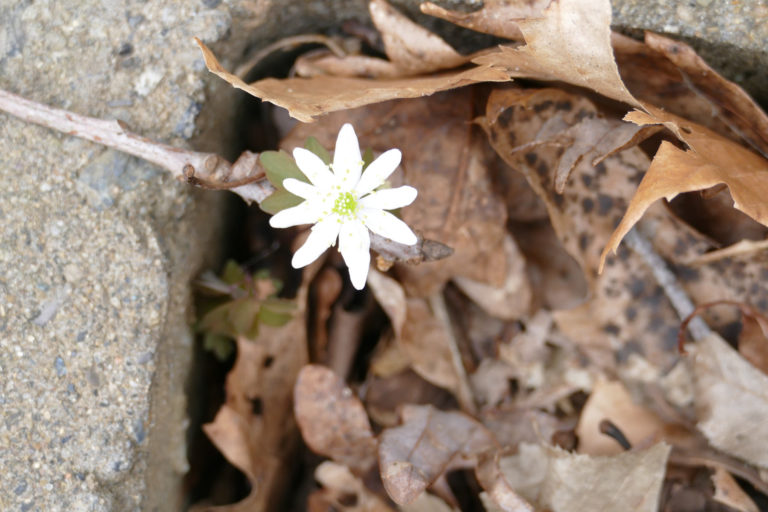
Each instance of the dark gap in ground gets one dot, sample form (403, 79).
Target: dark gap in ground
(249, 241)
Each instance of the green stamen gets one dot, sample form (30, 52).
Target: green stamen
(346, 204)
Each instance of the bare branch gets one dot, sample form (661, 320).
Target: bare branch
(245, 178)
(668, 282)
(207, 170)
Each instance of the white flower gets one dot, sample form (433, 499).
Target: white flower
(341, 203)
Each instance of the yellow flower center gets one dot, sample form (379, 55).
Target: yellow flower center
(346, 204)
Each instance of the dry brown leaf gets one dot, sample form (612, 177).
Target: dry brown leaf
(753, 340)
(260, 444)
(325, 62)
(512, 299)
(729, 492)
(426, 341)
(332, 420)
(742, 248)
(731, 399)
(556, 278)
(563, 482)
(652, 78)
(325, 291)
(511, 427)
(497, 489)
(427, 444)
(570, 43)
(411, 49)
(427, 502)
(711, 160)
(626, 311)
(496, 17)
(307, 98)
(731, 103)
(385, 395)
(391, 297)
(343, 491)
(611, 401)
(528, 129)
(490, 382)
(409, 46)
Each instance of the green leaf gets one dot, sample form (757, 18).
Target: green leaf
(243, 316)
(217, 320)
(278, 201)
(279, 165)
(232, 273)
(313, 145)
(221, 346)
(367, 157)
(270, 317)
(280, 305)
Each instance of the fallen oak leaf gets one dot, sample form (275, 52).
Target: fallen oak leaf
(570, 43)
(332, 420)
(307, 98)
(711, 160)
(732, 104)
(427, 444)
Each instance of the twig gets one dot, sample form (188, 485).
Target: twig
(463, 389)
(206, 170)
(667, 280)
(245, 178)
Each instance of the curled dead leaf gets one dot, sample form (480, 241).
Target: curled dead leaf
(332, 420)
(427, 444)
(711, 160)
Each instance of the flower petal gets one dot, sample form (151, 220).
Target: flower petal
(387, 225)
(378, 171)
(313, 168)
(388, 199)
(303, 213)
(354, 245)
(300, 188)
(322, 237)
(347, 162)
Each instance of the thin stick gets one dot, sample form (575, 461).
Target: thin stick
(463, 389)
(207, 170)
(245, 178)
(667, 280)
